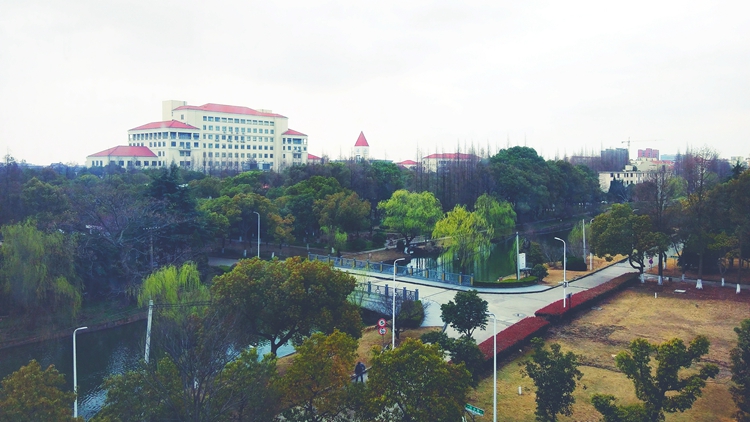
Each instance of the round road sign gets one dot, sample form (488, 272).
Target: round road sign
(381, 322)
(382, 331)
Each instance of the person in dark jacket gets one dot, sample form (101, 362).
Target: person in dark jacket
(359, 371)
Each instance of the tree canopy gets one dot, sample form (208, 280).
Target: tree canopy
(32, 394)
(466, 312)
(280, 301)
(555, 375)
(411, 214)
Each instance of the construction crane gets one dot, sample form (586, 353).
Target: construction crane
(640, 140)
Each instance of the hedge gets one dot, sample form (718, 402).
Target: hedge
(513, 336)
(525, 281)
(585, 298)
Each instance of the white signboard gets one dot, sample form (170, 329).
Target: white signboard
(522, 260)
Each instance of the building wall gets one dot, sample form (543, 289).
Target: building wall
(627, 177)
(247, 140)
(122, 161)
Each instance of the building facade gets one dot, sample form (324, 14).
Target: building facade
(649, 153)
(221, 137)
(433, 162)
(361, 150)
(124, 156)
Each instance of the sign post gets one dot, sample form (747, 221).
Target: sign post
(473, 409)
(382, 330)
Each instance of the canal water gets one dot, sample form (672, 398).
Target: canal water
(100, 354)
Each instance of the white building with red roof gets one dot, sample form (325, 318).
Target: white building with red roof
(124, 156)
(221, 137)
(361, 150)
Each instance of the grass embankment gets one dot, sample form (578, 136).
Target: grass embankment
(600, 334)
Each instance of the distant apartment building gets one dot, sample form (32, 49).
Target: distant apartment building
(648, 153)
(219, 137)
(614, 159)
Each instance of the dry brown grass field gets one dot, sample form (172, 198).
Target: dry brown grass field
(599, 334)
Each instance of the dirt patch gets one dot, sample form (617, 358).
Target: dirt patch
(385, 255)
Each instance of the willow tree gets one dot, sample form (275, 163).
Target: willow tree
(38, 271)
(465, 233)
(174, 286)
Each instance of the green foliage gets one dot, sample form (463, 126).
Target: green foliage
(467, 233)
(170, 285)
(740, 361)
(555, 375)
(38, 271)
(660, 389)
(241, 390)
(343, 210)
(31, 395)
(620, 232)
(411, 214)
(414, 383)
(575, 263)
(539, 271)
(409, 316)
(467, 313)
(278, 301)
(499, 216)
(316, 385)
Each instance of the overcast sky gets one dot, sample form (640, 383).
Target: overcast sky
(416, 76)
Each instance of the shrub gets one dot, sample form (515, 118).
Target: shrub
(585, 298)
(539, 271)
(411, 315)
(513, 336)
(576, 264)
(378, 239)
(356, 244)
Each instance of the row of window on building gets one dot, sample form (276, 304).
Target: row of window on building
(238, 155)
(163, 135)
(230, 129)
(237, 121)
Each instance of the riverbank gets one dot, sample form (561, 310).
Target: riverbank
(99, 316)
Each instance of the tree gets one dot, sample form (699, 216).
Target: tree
(343, 210)
(465, 232)
(620, 232)
(30, 395)
(414, 383)
(278, 301)
(660, 389)
(740, 361)
(411, 214)
(316, 385)
(38, 271)
(172, 286)
(467, 313)
(499, 216)
(243, 390)
(555, 375)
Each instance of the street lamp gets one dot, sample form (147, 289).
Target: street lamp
(256, 212)
(75, 372)
(393, 325)
(565, 265)
(591, 254)
(494, 367)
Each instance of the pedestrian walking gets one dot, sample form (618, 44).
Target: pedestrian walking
(359, 372)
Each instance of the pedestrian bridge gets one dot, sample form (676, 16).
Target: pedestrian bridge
(379, 298)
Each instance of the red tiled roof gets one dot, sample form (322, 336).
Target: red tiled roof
(408, 163)
(312, 157)
(173, 124)
(125, 151)
(452, 156)
(293, 132)
(361, 141)
(221, 108)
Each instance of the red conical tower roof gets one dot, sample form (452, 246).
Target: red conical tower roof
(361, 141)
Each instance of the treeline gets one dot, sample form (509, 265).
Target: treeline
(699, 210)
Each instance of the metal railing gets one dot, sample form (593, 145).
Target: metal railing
(430, 274)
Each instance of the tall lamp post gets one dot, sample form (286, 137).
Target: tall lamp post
(75, 372)
(256, 213)
(393, 325)
(591, 254)
(583, 229)
(565, 265)
(494, 367)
